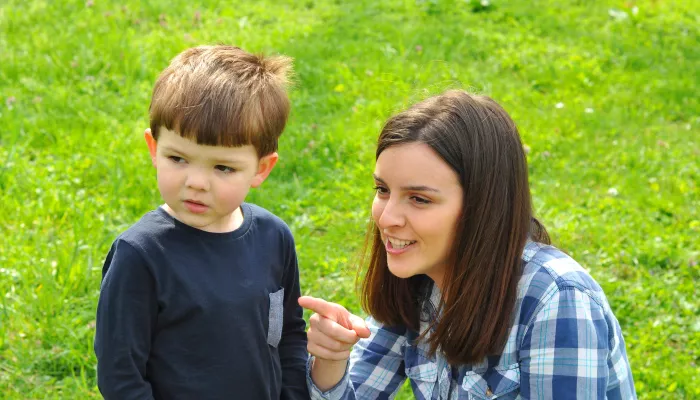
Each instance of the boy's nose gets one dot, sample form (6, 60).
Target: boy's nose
(197, 180)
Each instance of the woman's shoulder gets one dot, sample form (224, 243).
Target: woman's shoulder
(548, 271)
(549, 264)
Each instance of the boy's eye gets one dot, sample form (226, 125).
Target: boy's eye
(225, 169)
(176, 159)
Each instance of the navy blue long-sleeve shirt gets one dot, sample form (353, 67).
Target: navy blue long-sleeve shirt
(189, 314)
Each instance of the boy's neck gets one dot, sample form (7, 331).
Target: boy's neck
(235, 220)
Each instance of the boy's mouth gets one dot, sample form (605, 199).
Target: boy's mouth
(195, 207)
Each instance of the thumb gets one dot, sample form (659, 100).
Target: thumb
(359, 326)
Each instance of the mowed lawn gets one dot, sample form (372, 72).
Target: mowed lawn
(605, 94)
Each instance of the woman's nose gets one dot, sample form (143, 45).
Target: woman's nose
(390, 215)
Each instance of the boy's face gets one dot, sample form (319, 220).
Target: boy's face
(203, 186)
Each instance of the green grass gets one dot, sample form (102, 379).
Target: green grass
(608, 107)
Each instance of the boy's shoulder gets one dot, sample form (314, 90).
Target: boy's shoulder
(265, 219)
(151, 225)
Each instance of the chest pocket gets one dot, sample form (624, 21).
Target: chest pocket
(421, 370)
(276, 316)
(493, 383)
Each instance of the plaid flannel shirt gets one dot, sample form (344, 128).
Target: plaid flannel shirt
(564, 343)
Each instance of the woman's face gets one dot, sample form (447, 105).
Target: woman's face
(416, 207)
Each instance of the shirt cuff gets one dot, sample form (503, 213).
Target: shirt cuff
(334, 393)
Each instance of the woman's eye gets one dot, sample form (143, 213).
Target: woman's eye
(381, 190)
(420, 200)
(225, 169)
(176, 159)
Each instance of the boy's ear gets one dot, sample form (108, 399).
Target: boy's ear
(265, 166)
(152, 145)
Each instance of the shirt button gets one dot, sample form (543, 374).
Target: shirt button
(489, 393)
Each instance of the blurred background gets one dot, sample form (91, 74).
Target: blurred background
(605, 94)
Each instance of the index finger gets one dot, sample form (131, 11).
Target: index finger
(332, 311)
(319, 306)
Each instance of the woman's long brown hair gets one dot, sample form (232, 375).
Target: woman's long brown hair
(480, 142)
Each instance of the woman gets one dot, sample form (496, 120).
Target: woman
(466, 298)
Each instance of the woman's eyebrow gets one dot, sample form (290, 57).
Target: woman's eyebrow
(414, 188)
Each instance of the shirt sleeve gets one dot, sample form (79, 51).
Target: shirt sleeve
(126, 315)
(292, 348)
(376, 369)
(565, 352)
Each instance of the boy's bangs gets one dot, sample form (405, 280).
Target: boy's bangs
(220, 115)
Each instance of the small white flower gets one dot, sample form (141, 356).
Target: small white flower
(485, 3)
(559, 105)
(588, 110)
(612, 192)
(9, 272)
(617, 14)
(635, 10)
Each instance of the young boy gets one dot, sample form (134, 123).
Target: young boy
(199, 298)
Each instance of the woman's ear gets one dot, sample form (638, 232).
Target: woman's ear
(152, 145)
(265, 166)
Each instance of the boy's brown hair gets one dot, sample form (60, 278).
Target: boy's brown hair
(223, 96)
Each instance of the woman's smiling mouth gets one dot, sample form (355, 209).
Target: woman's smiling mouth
(398, 246)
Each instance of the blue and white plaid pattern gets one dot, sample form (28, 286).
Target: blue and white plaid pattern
(565, 343)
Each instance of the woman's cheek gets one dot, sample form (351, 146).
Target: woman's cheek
(377, 209)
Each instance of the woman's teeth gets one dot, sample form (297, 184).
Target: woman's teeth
(400, 244)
